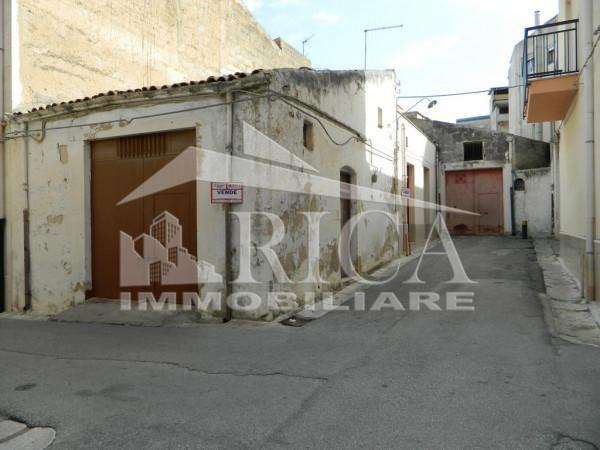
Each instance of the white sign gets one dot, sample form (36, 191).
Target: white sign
(405, 193)
(226, 192)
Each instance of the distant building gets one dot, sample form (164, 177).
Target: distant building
(504, 178)
(497, 119)
(517, 124)
(499, 109)
(475, 122)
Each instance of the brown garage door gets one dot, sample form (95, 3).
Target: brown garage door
(479, 191)
(118, 167)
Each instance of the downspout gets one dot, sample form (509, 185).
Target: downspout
(404, 184)
(26, 224)
(588, 126)
(396, 178)
(556, 179)
(2, 165)
(511, 159)
(227, 207)
(438, 198)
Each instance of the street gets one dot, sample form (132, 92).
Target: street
(489, 378)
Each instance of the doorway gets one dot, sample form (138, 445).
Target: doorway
(118, 166)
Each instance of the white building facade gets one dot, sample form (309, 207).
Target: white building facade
(297, 140)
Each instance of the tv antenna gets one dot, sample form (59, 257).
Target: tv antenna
(305, 41)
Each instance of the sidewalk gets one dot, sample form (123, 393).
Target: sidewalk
(568, 317)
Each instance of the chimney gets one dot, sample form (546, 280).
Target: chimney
(536, 16)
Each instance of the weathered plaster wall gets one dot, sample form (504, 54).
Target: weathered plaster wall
(66, 49)
(530, 154)
(60, 190)
(352, 97)
(534, 204)
(450, 138)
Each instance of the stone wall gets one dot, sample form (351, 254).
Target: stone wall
(67, 49)
(528, 153)
(450, 138)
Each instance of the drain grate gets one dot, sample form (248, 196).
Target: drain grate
(295, 321)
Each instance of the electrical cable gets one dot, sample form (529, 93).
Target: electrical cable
(458, 93)
(282, 97)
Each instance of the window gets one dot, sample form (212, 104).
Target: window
(503, 109)
(308, 135)
(473, 151)
(380, 117)
(519, 184)
(551, 56)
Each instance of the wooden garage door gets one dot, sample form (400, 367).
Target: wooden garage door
(118, 167)
(479, 191)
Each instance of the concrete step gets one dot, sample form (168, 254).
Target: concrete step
(17, 436)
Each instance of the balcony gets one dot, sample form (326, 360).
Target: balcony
(550, 70)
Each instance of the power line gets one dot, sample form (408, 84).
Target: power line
(458, 93)
(254, 96)
(587, 60)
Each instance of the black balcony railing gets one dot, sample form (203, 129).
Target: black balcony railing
(549, 50)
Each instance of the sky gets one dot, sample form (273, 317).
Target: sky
(444, 46)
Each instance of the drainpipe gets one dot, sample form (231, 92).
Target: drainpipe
(404, 184)
(588, 125)
(2, 162)
(438, 199)
(555, 145)
(227, 206)
(396, 176)
(26, 225)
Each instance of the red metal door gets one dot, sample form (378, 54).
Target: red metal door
(479, 191)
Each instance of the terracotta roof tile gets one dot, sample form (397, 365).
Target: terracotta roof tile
(211, 79)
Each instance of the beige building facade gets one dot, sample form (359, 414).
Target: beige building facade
(60, 50)
(563, 84)
(580, 180)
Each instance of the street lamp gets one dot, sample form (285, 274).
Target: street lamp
(431, 104)
(376, 29)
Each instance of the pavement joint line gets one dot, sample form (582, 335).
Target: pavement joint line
(171, 364)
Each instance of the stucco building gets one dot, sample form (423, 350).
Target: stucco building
(562, 87)
(300, 142)
(59, 51)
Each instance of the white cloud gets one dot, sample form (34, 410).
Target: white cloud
(326, 17)
(419, 53)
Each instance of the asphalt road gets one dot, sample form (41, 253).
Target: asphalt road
(489, 378)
